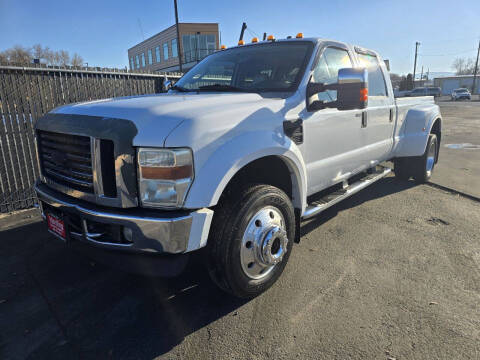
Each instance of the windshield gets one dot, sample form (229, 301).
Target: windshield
(461, 90)
(259, 68)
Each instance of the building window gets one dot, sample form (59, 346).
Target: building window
(137, 62)
(157, 53)
(150, 57)
(174, 48)
(165, 51)
(143, 59)
(132, 64)
(197, 46)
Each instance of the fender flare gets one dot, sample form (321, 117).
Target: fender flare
(418, 125)
(222, 165)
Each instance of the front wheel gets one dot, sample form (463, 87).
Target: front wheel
(251, 240)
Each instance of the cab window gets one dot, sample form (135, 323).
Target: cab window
(326, 70)
(376, 80)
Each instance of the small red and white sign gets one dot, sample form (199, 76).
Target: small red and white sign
(56, 225)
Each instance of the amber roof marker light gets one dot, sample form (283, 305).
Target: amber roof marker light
(271, 38)
(241, 42)
(299, 35)
(254, 40)
(223, 47)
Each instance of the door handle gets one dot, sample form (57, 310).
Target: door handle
(364, 119)
(391, 114)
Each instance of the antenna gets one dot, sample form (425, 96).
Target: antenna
(244, 26)
(141, 29)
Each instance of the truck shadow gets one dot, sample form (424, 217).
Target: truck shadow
(83, 308)
(384, 187)
(60, 304)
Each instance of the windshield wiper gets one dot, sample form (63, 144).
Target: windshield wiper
(179, 88)
(222, 87)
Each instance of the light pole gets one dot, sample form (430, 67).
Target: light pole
(415, 63)
(476, 70)
(178, 38)
(196, 45)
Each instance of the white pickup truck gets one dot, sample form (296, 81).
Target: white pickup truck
(249, 142)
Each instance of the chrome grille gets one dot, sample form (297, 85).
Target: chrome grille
(66, 159)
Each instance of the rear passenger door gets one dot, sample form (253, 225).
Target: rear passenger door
(379, 124)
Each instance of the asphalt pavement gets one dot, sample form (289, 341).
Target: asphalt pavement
(391, 273)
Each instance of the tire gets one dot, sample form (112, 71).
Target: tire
(418, 167)
(251, 240)
(423, 166)
(401, 169)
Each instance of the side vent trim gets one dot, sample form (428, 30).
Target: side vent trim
(294, 130)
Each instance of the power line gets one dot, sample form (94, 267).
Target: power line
(451, 54)
(452, 40)
(253, 33)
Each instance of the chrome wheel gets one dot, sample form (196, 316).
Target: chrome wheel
(264, 243)
(432, 153)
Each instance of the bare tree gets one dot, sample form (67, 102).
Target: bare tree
(43, 54)
(77, 60)
(17, 55)
(3, 58)
(22, 56)
(463, 66)
(37, 51)
(64, 57)
(55, 58)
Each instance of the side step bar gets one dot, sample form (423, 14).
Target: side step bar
(331, 199)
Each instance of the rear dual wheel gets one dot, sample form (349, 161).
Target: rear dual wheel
(251, 240)
(418, 167)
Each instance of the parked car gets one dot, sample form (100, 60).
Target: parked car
(426, 91)
(461, 94)
(250, 142)
(434, 91)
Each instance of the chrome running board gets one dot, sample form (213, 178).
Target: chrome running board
(335, 197)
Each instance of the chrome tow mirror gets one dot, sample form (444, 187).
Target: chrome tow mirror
(351, 88)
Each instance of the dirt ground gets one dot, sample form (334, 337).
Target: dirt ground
(391, 273)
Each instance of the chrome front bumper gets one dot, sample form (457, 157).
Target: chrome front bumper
(152, 231)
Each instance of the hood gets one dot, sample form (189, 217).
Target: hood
(156, 116)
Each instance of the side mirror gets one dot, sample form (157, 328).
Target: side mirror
(166, 85)
(351, 87)
(352, 90)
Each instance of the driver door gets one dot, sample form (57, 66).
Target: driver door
(333, 139)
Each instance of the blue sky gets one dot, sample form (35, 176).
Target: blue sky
(102, 30)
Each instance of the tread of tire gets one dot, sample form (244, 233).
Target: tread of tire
(224, 210)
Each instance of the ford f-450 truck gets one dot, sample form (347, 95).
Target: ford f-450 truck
(247, 144)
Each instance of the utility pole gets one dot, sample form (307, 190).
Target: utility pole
(178, 38)
(415, 63)
(244, 26)
(476, 69)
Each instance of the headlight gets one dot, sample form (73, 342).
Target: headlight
(164, 176)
